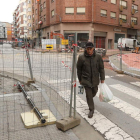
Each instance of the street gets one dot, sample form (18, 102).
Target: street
(117, 120)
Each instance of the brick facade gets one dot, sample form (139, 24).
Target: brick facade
(92, 22)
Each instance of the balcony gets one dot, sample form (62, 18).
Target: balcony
(121, 8)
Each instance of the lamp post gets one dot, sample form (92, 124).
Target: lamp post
(60, 19)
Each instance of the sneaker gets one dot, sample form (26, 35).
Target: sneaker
(90, 115)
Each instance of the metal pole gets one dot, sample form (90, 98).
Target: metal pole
(35, 109)
(29, 63)
(75, 59)
(72, 74)
(121, 56)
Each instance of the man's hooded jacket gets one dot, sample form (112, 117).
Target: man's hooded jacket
(90, 69)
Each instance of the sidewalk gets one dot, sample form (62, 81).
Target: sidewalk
(13, 104)
(130, 62)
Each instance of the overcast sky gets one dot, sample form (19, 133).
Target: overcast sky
(7, 8)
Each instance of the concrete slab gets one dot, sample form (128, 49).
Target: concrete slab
(30, 119)
(67, 123)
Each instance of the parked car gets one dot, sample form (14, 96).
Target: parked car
(127, 43)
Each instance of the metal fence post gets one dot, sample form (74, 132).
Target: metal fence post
(72, 85)
(75, 59)
(29, 63)
(121, 56)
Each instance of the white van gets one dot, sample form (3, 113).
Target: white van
(128, 43)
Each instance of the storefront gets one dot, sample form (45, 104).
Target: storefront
(77, 37)
(99, 39)
(106, 36)
(132, 33)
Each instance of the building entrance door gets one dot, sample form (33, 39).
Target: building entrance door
(99, 42)
(109, 43)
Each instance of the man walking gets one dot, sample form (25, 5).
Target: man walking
(90, 71)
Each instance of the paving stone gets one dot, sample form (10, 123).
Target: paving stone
(3, 136)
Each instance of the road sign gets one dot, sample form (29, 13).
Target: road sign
(49, 47)
(64, 42)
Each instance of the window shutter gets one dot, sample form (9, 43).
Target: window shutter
(80, 10)
(112, 14)
(69, 10)
(103, 12)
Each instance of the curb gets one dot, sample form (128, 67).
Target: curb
(124, 72)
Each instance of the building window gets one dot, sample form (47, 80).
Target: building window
(36, 1)
(24, 16)
(29, 24)
(70, 10)
(123, 3)
(36, 11)
(44, 4)
(29, 17)
(52, 13)
(30, 32)
(24, 10)
(29, 9)
(104, 13)
(80, 10)
(135, 7)
(113, 1)
(44, 17)
(41, 8)
(103, 0)
(112, 14)
(24, 22)
(36, 22)
(133, 19)
(52, 0)
(82, 39)
(41, 18)
(123, 17)
(29, 1)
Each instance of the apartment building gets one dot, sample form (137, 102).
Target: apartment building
(100, 21)
(5, 31)
(29, 18)
(15, 23)
(20, 20)
(12, 29)
(113, 19)
(9, 31)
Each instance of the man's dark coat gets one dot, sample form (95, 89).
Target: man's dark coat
(90, 69)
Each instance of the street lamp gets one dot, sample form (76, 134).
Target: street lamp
(59, 17)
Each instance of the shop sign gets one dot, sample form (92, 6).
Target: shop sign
(117, 30)
(64, 42)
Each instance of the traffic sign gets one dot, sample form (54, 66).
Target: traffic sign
(49, 47)
(64, 42)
